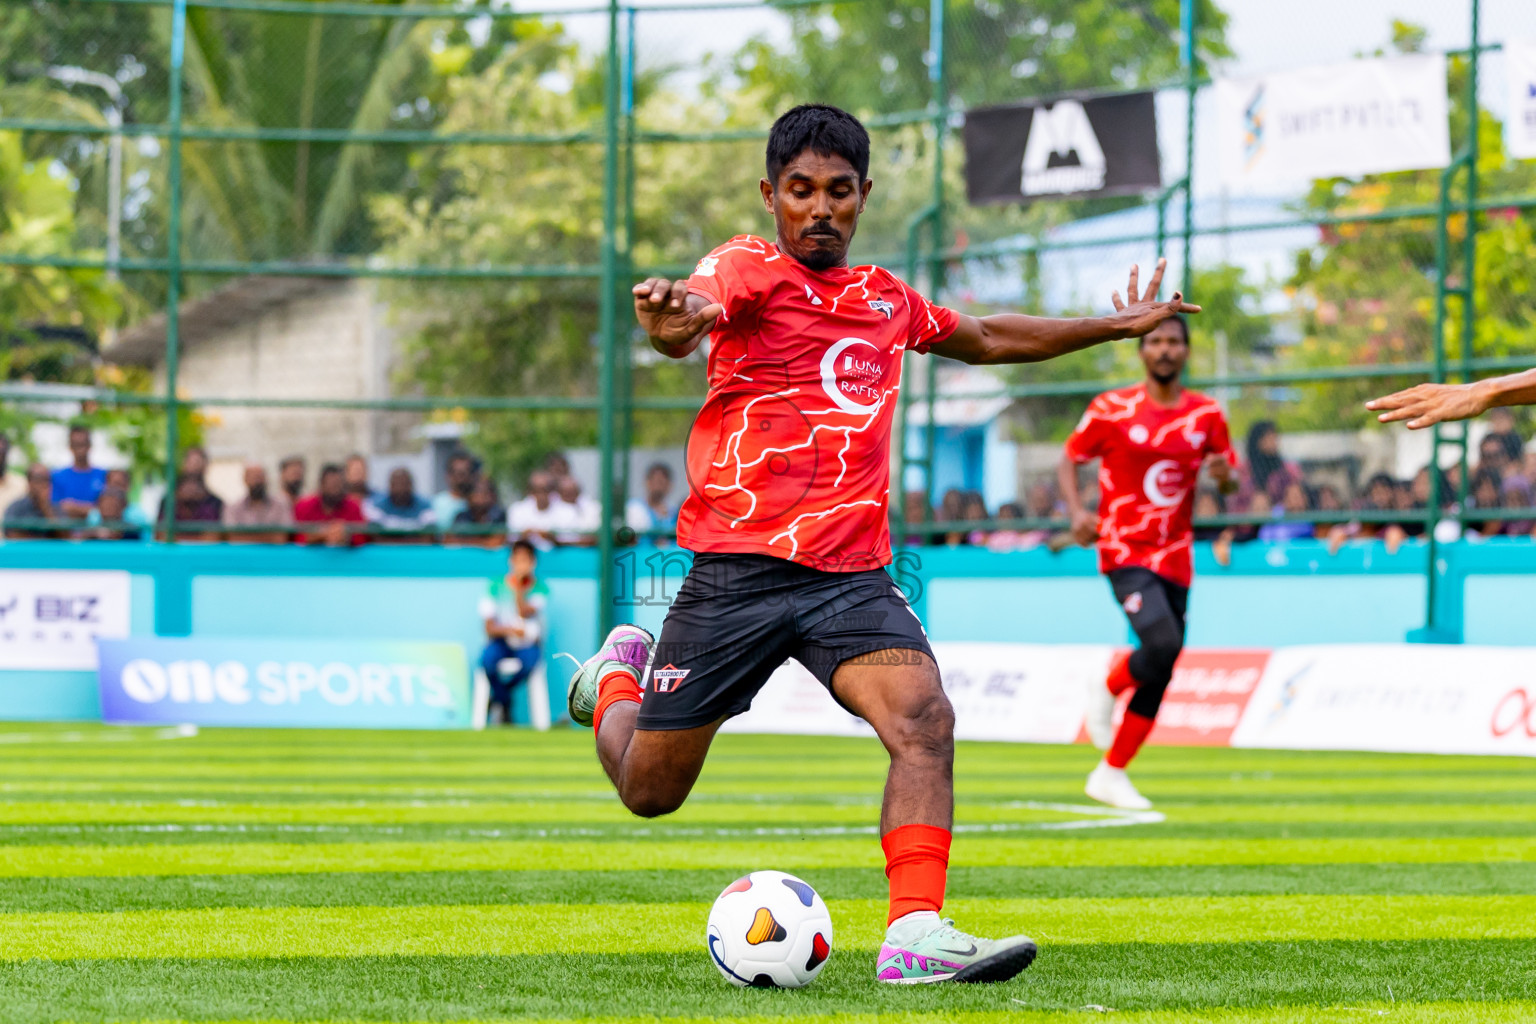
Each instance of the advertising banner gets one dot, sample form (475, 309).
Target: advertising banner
(1341, 120)
(1207, 696)
(274, 682)
(1103, 145)
(51, 619)
(1520, 122)
(1395, 697)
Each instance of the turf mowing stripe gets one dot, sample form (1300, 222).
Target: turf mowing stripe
(1166, 978)
(647, 928)
(100, 895)
(969, 851)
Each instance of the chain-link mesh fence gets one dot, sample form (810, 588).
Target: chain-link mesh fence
(282, 226)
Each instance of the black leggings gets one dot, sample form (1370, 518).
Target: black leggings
(1156, 608)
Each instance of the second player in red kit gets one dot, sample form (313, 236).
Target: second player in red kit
(1151, 440)
(788, 495)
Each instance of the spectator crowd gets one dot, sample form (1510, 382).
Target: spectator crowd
(81, 500)
(1277, 500)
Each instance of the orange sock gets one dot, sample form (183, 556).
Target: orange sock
(1120, 678)
(1128, 739)
(917, 863)
(613, 688)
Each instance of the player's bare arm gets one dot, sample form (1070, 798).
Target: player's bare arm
(675, 319)
(1427, 404)
(1085, 525)
(1015, 338)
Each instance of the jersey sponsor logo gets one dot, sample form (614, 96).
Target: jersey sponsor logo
(668, 678)
(1138, 433)
(1062, 132)
(706, 267)
(881, 306)
(1197, 438)
(815, 299)
(1132, 604)
(1159, 489)
(850, 377)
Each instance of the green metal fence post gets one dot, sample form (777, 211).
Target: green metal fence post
(1187, 57)
(940, 103)
(173, 273)
(1441, 625)
(608, 323)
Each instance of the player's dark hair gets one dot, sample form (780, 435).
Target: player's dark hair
(522, 544)
(659, 467)
(330, 468)
(1177, 318)
(823, 129)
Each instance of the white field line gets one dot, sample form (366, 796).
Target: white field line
(175, 732)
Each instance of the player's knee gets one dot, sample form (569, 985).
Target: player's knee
(1160, 649)
(647, 802)
(925, 729)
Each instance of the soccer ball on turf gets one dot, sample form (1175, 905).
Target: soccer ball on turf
(769, 930)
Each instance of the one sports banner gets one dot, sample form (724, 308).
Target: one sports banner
(1103, 145)
(1520, 122)
(1339, 120)
(285, 683)
(51, 619)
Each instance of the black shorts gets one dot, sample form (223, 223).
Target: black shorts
(738, 617)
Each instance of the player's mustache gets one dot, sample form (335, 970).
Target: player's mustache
(821, 229)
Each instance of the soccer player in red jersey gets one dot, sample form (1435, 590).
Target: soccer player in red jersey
(789, 481)
(1152, 440)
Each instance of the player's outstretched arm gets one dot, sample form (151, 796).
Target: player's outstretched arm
(1014, 338)
(675, 318)
(1427, 404)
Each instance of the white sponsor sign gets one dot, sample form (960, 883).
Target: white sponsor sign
(1028, 693)
(1520, 122)
(51, 619)
(1340, 120)
(1395, 697)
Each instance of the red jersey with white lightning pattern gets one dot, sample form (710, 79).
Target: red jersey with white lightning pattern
(790, 455)
(1151, 457)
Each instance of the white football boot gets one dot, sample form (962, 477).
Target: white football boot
(1113, 787)
(1099, 717)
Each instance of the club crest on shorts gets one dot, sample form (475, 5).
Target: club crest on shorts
(881, 306)
(668, 678)
(1132, 604)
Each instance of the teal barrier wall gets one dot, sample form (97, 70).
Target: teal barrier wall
(1271, 595)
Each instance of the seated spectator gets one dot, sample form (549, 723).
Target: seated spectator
(1210, 504)
(1257, 507)
(13, 485)
(193, 505)
(974, 509)
(1295, 501)
(952, 510)
(1501, 427)
(557, 465)
(1492, 456)
(450, 501)
(355, 472)
(108, 521)
(1516, 494)
(400, 508)
(291, 473)
(36, 506)
(655, 512)
(513, 613)
(916, 512)
(77, 486)
(482, 517)
(258, 508)
(333, 507)
(1008, 538)
(1485, 494)
(577, 516)
(1267, 470)
(535, 517)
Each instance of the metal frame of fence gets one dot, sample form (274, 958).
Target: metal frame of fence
(927, 252)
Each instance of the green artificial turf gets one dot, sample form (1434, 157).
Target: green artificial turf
(365, 876)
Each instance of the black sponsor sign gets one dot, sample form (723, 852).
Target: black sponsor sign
(1068, 146)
